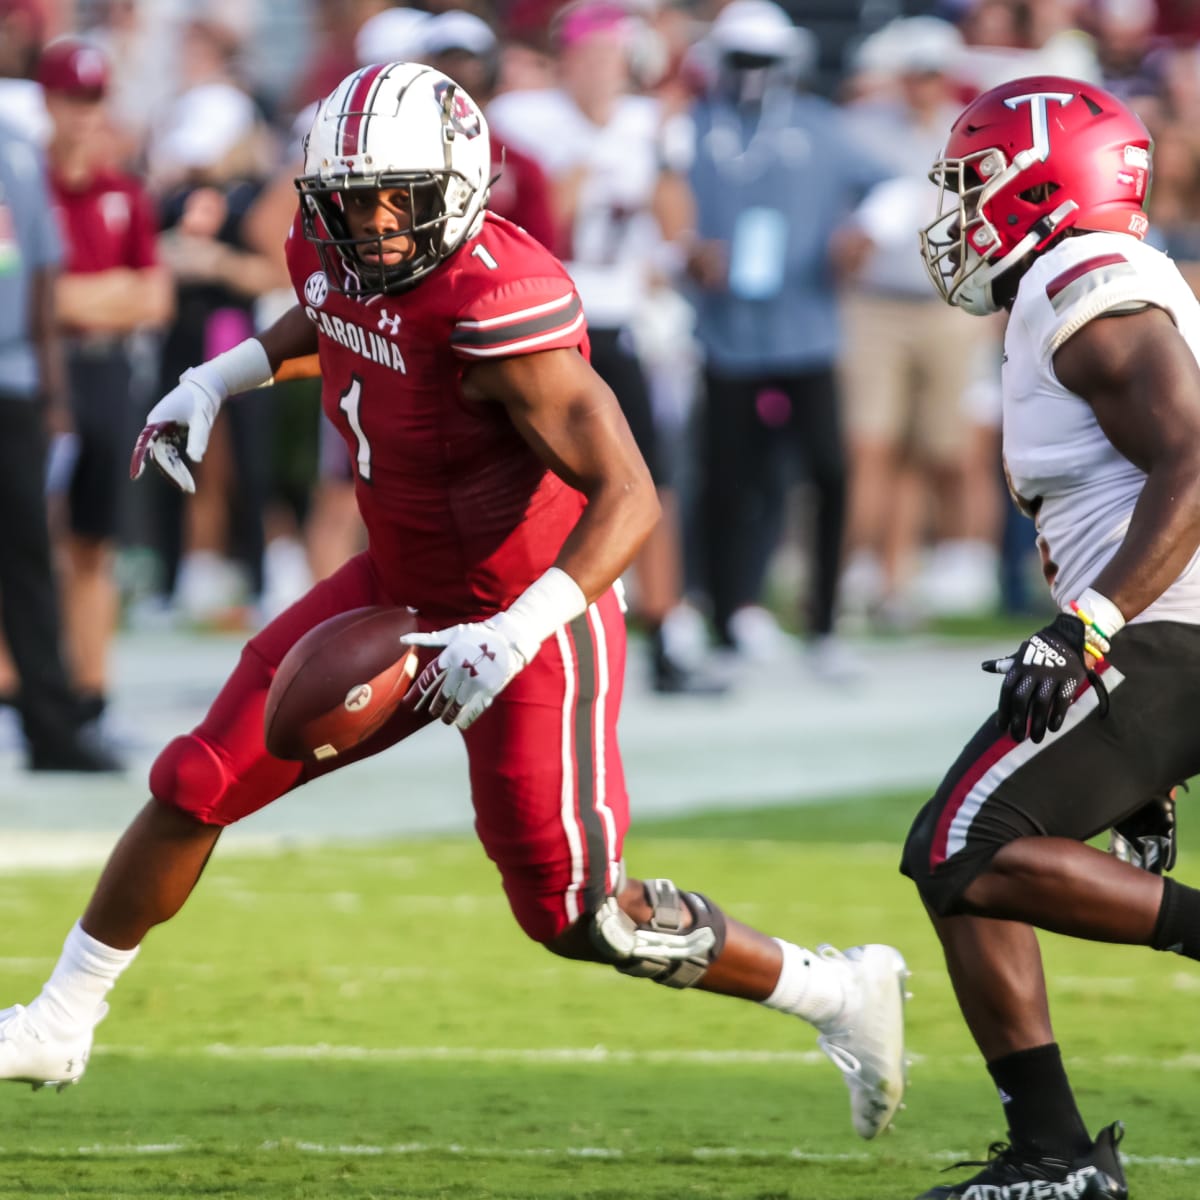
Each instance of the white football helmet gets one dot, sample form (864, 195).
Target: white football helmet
(393, 125)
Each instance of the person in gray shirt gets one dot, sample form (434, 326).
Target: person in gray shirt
(768, 173)
(33, 406)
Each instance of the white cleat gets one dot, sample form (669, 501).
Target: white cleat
(866, 1040)
(30, 1055)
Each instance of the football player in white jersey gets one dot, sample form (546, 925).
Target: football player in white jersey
(1042, 185)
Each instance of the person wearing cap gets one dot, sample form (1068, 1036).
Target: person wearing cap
(464, 47)
(33, 403)
(111, 286)
(762, 175)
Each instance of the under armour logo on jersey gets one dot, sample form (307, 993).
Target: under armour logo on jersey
(1038, 653)
(472, 665)
(390, 323)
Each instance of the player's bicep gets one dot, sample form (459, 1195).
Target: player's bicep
(1142, 381)
(567, 414)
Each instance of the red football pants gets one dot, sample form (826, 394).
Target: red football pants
(546, 780)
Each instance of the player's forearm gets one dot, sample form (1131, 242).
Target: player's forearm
(617, 520)
(1163, 536)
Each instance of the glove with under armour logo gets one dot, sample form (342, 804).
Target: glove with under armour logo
(479, 660)
(476, 665)
(1042, 678)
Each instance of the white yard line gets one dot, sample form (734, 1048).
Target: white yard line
(455, 1149)
(582, 1056)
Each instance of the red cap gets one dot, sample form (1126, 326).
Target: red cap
(73, 67)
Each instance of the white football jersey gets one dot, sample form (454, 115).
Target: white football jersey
(1060, 465)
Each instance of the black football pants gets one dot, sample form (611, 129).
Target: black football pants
(756, 434)
(28, 591)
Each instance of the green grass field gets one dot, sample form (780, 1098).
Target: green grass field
(368, 1022)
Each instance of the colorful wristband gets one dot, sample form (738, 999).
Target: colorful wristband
(1102, 612)
(1093, 640)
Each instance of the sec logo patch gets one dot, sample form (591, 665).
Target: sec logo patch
(316, 289)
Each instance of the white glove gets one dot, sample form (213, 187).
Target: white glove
(190, 409)
(478, 662)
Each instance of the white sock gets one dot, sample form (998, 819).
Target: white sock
(72, 999)
(810, 986)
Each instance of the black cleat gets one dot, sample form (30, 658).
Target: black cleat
(1013, 1173)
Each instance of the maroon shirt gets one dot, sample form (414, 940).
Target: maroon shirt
(461, 515)
(109, 222)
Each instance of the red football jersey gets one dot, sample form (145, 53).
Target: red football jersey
(461, 515)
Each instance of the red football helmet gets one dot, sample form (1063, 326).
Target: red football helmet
(1024, 162)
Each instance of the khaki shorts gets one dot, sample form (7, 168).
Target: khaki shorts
(904, 371)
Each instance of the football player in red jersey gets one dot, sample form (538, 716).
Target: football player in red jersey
(503, 495)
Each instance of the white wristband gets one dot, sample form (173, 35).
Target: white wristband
(241, 369)
(546, 605)
(1106, 615)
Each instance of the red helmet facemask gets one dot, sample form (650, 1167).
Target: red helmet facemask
(1025, 162)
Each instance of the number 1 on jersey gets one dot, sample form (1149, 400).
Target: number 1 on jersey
(348, 402)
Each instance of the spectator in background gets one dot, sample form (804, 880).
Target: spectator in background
(336, 26)
(771, 173)
(1006, 39)
(907, 356)
(598, 141)
(22, 31)
(1131, 58)
(214, 152)
(111, 285)
(141, 43)
(464, 47)
(1174, 204)
(393, 35)
(32, 401)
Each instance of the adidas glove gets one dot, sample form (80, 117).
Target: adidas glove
(1146, 838)
(1042, 678)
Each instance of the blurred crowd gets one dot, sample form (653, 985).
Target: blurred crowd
(736, 189)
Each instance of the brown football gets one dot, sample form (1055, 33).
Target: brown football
(339, 683)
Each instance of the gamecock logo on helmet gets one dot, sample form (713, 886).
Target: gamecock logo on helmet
(463, 117)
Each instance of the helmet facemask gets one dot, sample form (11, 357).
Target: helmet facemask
(963, 249)
(435, 198)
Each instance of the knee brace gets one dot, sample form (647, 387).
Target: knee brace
(662, 950)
